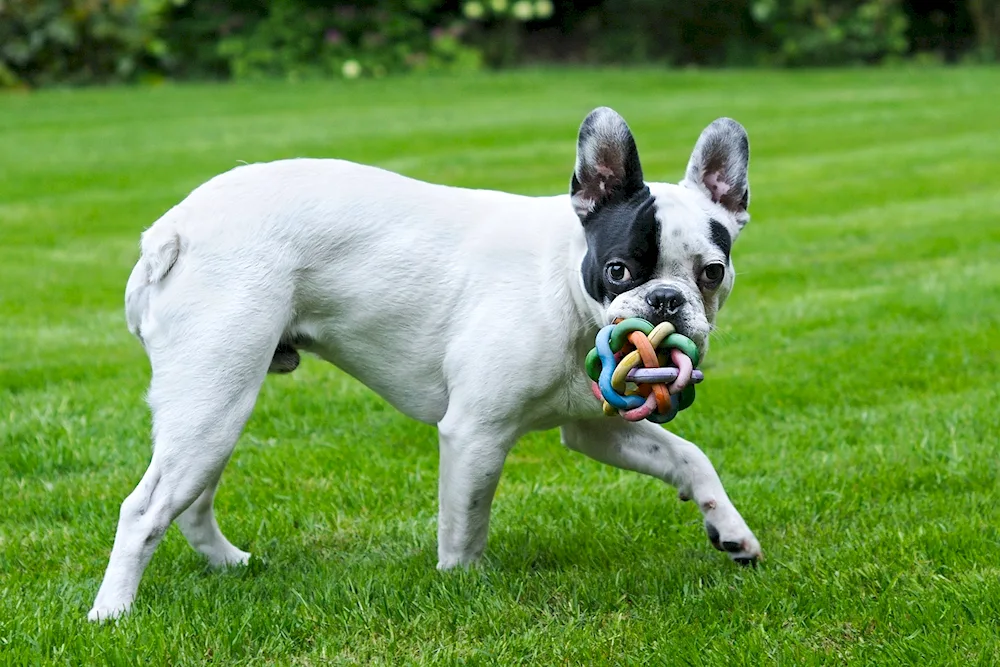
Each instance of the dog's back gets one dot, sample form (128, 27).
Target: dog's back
(334, 244)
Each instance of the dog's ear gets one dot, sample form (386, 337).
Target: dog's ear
(607, 163)
(719, 167)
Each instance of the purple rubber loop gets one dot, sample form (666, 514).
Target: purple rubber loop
(665, 374)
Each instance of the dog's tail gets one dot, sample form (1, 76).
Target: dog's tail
(159, 249)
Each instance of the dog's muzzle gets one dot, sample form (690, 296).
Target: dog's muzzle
(666, 302)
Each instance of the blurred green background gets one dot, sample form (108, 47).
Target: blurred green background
(81, 41)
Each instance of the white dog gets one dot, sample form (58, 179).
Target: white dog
(421, 291)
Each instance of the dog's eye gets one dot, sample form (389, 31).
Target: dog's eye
(618, 273)
(712, 275)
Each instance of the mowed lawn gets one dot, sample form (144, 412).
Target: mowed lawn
(850, 406)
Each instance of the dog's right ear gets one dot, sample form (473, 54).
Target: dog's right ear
(607, 163)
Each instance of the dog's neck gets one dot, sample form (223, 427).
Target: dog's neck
(587, 314)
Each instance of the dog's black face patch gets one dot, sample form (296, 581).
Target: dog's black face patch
(623, 232)
(721, 237)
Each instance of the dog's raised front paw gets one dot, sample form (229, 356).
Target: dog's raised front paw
(737, 541)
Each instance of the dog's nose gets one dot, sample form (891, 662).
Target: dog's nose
(666, 300)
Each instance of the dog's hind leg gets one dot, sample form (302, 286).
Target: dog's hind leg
(199, 411)
(199, 526)
(197, 523)
(208, 360)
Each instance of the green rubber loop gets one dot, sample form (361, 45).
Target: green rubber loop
(593, 365)
(685, 345)
(621, 331)
(686, 397)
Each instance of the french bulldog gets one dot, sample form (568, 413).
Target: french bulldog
(421, 292)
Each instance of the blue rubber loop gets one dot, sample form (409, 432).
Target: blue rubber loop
(675, 407)
(614, 399)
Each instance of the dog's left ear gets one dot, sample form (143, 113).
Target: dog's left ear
(719, 167)
(607, 163)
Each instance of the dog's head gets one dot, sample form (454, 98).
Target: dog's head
(660, 251)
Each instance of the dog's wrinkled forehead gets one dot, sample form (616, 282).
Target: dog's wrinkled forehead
(688, 228)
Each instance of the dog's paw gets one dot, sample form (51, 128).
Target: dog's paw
(101, 613)
(231, 557)
(453, 561)
(735, 540)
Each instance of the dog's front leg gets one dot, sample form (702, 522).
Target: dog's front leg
(652, 450)
(472, 457)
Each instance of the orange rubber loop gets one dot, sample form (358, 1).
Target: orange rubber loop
(648, 355)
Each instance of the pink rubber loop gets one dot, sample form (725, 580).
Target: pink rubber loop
(597, 391)
(684, 368)
(642, 411)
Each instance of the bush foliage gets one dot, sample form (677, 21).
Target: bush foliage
(309, 38)
(55, 41)
(85, 41)
(820, 32)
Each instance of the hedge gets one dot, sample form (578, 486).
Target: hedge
(45, 42)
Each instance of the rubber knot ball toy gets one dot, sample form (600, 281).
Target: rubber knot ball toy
(643, 372)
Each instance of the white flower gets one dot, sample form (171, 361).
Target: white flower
(499, 6)
(522, 10)
(351, 69)
(761, 11)
(543, 9)
(473, 10)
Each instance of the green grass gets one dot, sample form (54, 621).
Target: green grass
(851, 405)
